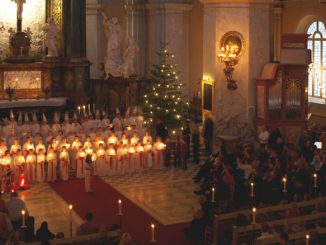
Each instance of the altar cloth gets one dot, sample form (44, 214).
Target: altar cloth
(51, 102)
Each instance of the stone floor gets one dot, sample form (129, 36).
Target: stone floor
(46, 205)
(167, 195)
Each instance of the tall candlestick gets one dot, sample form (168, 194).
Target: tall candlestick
(79, 110)
(153, 233)
(315, 180)
(70, 221)
(307, 239)
(254, 215)
(120, 207)
(252, 189)
(213, 194)
(284, 184)
(84, 109)
(23, 219)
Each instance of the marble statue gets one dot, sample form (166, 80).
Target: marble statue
(20, 5)
(50, 30)
(129, 57)
(113, 60)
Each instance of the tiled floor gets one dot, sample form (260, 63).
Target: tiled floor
(45, 205)
(167, 195)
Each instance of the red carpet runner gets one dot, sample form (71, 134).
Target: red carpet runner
(103, 203)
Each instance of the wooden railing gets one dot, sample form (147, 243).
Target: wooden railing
(223, 223)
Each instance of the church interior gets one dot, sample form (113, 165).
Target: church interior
(168, 122)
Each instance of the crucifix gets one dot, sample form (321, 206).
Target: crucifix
(20, 5)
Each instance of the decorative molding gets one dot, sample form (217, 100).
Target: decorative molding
(232, 2)
(169, 7)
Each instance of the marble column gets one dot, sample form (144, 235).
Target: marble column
(278, 12)
(168, 23)
(136, 28)
(92, 36)
(252, 21)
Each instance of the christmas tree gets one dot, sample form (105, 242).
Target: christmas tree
(163, 98)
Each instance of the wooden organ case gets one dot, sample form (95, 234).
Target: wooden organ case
(282, 90)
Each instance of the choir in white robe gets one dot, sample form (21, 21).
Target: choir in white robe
(148, 159)
(64, 165)
(19, 162)
(52, 166)
(30, 168)
(111, 161)
(158, 155)
(121, 159)
(101, 167)
(80, 163)
(139, 162)
(40, 167)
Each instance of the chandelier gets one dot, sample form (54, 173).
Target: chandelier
(229, 55)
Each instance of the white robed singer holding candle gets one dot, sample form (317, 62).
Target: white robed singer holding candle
(131, 159)
(80, 163)
(30, 167)
(90, 159)
(100, 164)
(40, 169)
(121, 158)
(111, 160)
(76, 144)
(139, 162)
(148, 158)
(15, 147)
(64, 163)
(40, 146)
(51, 158)
(158, 147)
(19, 162)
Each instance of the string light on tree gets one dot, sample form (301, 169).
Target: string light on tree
(164, 98)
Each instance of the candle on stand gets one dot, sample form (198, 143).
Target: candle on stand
(284, 184)
(307, 239)
(84, 109)
(70, 221)
(23, 219)
(315, 180)
(153, 233)
(254, 215)
(213, 194)
(252, 189)
(79, 110)
(120, 207)
(94, 108)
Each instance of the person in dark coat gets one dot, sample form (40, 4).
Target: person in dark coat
(161, 130)
(44, 234)
(208, 134)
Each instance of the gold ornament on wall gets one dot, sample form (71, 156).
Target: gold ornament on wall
(232, 47)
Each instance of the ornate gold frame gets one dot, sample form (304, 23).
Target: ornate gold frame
(211, 83)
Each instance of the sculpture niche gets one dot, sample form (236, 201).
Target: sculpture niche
(19, 41)
(116, 64)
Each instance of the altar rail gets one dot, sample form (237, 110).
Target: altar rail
(224, 222)
(97, 238)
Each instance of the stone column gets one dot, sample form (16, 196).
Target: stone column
(92, 36)
(168, 23)
(136, 28)
(278, 12)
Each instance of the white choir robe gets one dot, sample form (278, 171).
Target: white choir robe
(6, 165)
(121, 160)
(7, 131)
(55, 129)
(40, 168)
(52, 167)
(14, 149)
(2, 150)
(81, 137)
(148, 159)
(101, 166)
(19, 162)
(39, 147)
(140, 155)
(73, 151)
(30, 168)
(134, 140)
(64, 165)
(80, 164)
(88, 145)
(27, 147)
(158, 155)
(131, 166)
(44, 129)
(111, 161)
(35, 128)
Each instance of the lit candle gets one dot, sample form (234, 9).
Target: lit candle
(79, 110)
(307, 239)
(23, 218)
(84, 109)
(70, 221)
(153, 233)
(213, 194)
(315, 180)
(89, 108)
(284, 184)
(120, 207)
(254, 215)
(252, 189)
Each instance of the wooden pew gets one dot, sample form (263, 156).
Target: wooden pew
(82, 239)
(224, 222)
(249, 230)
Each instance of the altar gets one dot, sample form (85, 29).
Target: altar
(33, 103)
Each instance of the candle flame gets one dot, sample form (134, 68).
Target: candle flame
(284, 179)
(307, 236)
(23, 212)
(70, 207)
(153, 226)
(119, 201)
(254, 210)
